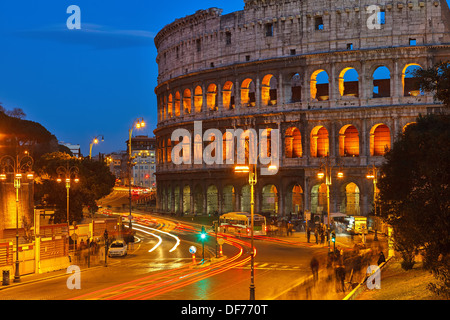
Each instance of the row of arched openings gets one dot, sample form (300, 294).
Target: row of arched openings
(348, 81)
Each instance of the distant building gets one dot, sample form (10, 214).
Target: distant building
(143, 151)
(74, 148)
(117, 162)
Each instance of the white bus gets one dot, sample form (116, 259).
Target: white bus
(239, 223)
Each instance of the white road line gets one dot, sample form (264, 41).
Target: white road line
(166, 233)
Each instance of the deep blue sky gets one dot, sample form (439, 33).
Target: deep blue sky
(88, 82)
(97, 80)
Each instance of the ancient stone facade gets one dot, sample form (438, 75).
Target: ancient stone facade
(332, 76)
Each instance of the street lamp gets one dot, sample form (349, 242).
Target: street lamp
(252, 180)
(68, 173)
(16, 167)
(95, 141)
(138, 124)
(372, 174)
(325, 171)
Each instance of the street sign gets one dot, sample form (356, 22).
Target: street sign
(192, 249)
(220, 241)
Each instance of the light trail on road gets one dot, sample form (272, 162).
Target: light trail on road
(163, 232)
(159, 238)
(163, 282)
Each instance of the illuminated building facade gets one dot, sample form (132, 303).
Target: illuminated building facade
(334, 77)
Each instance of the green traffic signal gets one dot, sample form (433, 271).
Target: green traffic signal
(203, 233)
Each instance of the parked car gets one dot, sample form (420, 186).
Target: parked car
(117, 249)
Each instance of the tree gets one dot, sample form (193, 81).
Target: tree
(436, 80)
(96, 181)
(415, 194)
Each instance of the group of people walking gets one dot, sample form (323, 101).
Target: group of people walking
(321, 233)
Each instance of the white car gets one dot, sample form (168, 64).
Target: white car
(117, 249)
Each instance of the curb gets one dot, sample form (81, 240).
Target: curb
(362, 286)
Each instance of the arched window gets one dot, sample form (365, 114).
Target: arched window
(319, 85)
(177, 104)
(350, 200)
(380, 140)
(187, 101)
(269, 201)
(293, 143)
(269, 90)
(348, 83)
(410, 84)
(349, 141)
(248, 98)
(211, 97)
(296, 88)
(228, 96)
(198, 99)
(169, 106)
(381, 82)
(319, 142)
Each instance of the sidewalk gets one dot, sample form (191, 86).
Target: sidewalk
(398, 284)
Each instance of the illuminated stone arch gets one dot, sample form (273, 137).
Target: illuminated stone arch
(319, 203)
(248, 97)
(228, 199)
(293, 143)
(380, 139)
(170, 106)
(348, 87)
(319, 85)
(269, 90)
(319, 142)
(294, 199)
(381, 82)
(269, 200)
(211, 97)
(177, 104)
(228, 100)
(406, 125)
(212, 200)
(198, 99)
(187, 101)
(350, 195)
(349, 141)
(410, 85)
(186, 199)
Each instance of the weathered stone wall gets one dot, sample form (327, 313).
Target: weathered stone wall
(199, 41)
(224, 71)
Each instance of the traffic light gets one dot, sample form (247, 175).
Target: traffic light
(203, 233)
(333, 236)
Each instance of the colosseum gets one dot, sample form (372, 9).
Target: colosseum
(334, 77)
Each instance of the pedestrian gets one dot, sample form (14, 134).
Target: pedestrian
(316, 234)
(322, 237)
(381, 259)
(308, 233)
(340, 278)
(315, 268)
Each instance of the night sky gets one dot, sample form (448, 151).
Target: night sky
(94, 81)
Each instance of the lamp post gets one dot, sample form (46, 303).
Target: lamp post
(252, 180)
(68, 172)
(17, 167)
(326, 171)
(138, 124)
(95, 141)
(372, 174)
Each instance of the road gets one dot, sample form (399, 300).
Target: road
(160, 267)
